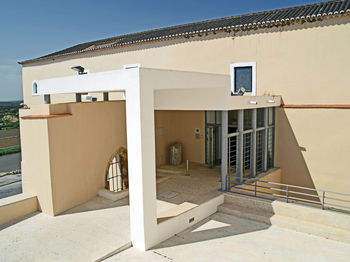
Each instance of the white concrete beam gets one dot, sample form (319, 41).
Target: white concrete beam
(141, 86)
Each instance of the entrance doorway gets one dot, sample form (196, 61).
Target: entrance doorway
(213, 138)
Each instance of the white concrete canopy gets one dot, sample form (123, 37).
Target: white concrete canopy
(146, 90)
(173, 90)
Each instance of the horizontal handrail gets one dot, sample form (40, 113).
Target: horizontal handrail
(306, 188)
(296, 195)
(299, 187)
(233, 134)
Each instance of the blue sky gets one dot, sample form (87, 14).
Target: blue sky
(32, 28)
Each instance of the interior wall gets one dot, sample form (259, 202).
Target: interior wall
(179, 126)
(80, 148)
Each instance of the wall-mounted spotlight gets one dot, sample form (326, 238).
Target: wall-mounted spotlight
(253, 102)
(79, 69)
(241, 91)
(91, 98)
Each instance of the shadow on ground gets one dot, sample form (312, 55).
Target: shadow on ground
(216, 226)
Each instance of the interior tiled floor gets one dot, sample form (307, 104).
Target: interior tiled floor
(201, 185)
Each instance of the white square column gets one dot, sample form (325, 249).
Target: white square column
(141, 164)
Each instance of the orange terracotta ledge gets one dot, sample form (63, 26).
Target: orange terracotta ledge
(347, 106)
(44, 116)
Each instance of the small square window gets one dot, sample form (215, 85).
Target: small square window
(243, 78)
(243, 75)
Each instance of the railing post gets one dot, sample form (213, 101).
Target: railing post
(323, 197)
(287, 194)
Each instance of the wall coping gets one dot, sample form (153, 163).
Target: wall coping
(16, 198)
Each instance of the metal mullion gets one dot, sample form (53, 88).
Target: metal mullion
(224, 149)
(253, 145)
(265, 139)
(239, 158)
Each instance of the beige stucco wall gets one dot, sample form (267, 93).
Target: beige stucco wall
(17, 206)
(273, 175)
(36, 176)
(305, 64)
(179, 126)
(76, 153)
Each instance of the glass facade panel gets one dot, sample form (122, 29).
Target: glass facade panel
(218, 117)
(271, 116)
(232, 121)
(213, 137)
(243, 78)
(247, 119)
(270, 147)
(210, 117)
(250, 152)
(260, 117)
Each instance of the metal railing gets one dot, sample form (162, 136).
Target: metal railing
(290, 193)
(232, 152)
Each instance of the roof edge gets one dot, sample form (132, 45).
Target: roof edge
(187, 34)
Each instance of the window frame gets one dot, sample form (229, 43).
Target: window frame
(232, 73)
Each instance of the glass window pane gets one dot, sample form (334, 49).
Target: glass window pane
(260, 117)
(232, 121)
(218, 117)
(210, 117)
(271, 116)
(247, 124)
(243, 78)
(270, 147)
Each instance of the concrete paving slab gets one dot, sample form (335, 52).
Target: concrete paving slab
(226, 238)
(84, 233)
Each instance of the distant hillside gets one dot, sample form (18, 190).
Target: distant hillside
(10, 103)
(9, 114)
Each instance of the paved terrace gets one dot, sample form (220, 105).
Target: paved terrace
(226, 238)
(100, 226)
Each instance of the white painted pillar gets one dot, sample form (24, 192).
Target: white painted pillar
(141, 164)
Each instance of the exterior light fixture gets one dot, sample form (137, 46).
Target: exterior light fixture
(91, 98)
(253, 102)
(79, 69)
(241, 91)
(271, 101)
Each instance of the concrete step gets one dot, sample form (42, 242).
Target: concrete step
(247, 213)
(250, 202)
(312, 215)
(312, 228)
(307, 219)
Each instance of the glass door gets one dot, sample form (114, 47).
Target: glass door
(213, 138)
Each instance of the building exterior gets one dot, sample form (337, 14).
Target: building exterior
(182, 84)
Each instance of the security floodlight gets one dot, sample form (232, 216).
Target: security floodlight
(79, 69)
